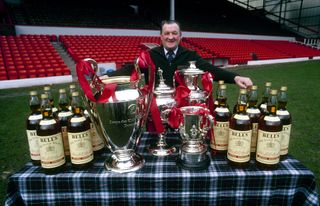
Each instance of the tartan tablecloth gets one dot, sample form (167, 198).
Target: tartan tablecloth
(161, 182)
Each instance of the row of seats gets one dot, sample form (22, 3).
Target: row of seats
(121, 49)
(29, 56)
(240, 51)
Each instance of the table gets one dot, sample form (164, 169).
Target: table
(161, 182)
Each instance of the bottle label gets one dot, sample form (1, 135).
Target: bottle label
(33, 144)
(222, 110)
(241, 117)
(268, 147)
(64, 133)
(254, 137)
(239, 145)
(47, 122)
(97, 142)
(51, 151)
(253, 111)
(77, 119)
(272, 118)
(35, 117)
(221, 133)
(80, 147)
(285, 139)
(64, 114)
(283, 112)
(54, 109)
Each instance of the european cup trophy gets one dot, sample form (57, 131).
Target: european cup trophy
(118, 108)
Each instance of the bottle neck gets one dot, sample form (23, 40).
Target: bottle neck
(272, 105)
(242, 104)
(63, 102)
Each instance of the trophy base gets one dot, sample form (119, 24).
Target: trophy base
(134, 163)
(195, 164)
(162, 150)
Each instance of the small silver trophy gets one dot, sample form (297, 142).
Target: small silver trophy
(165, 101)
(193, 152)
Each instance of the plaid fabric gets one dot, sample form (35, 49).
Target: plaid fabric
(161, 182)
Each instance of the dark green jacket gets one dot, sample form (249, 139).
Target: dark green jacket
(181, 61)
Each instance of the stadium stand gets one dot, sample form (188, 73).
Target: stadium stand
(30, 56)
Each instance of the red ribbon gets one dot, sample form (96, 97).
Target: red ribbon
(145, 60)
(175, 118)
(207, 83)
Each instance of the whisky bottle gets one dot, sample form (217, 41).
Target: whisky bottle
(32, 124)
(79, 136)
(240, 132)
(219, 141)
(220, 82)
(50, 140)
(47, 90)
(97, 142)
(264, 101)
(254, 114)
(64, 114)
(269, 136)
(286, 120)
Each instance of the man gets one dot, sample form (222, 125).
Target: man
(170, 38)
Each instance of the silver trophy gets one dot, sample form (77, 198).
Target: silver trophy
(196, 123)
(120, 118)
(165, 102)
(191, 79)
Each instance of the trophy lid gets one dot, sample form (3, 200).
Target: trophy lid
(192, 70)
(162, 88)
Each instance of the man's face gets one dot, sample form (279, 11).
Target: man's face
(170, 36)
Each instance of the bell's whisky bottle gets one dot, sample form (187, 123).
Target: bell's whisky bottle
(64, 114)
(215, 104)
(269, 136)
(50, 139)
(264, 101)
(97, 142)
(32, 124)
(79, 136)
(219, 141)
(254, 114)
(240, 132)
(286, 120)
(47, 90)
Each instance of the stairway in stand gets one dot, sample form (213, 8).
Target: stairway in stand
(67, 59)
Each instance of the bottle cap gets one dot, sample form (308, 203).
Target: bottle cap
(243, 91)
(62, 91)
(33, 93)
(254, 87)
(46, 88)
(273, 92)
(74, 94)
(223, 86)
(268, 84)
(44, 96)
(220, 82)
(72, 86)
(284, 88)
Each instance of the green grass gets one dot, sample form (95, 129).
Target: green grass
(302, 79)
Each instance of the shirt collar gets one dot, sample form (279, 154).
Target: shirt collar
(166, 51)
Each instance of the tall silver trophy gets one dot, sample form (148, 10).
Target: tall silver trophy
(165, 102)
(119, 110)
(196, 122)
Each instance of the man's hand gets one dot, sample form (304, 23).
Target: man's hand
(243, 82)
